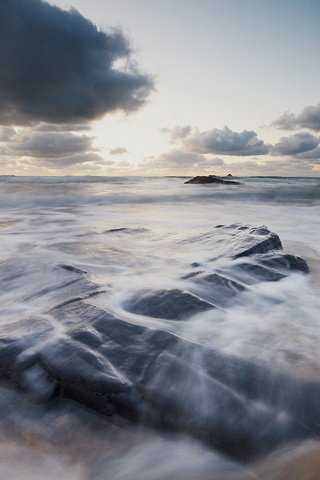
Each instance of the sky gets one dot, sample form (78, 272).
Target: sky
(159, 87)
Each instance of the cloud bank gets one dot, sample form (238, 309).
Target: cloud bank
(40, 144)
(226, 142)
(309, 118)
(296, 144)
(297, 153)
(179, 162)
(54, 149)
(57, 67)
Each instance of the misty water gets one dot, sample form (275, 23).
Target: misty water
(104, 244)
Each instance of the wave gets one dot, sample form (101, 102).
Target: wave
(16, 191)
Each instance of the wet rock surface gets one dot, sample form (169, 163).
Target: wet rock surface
(237, 240)
(144, 374)
(221, 290)
(172, 304)
(154, 378)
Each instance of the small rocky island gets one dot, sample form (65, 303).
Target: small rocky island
(211, 179)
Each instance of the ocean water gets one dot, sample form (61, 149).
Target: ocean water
(127, 235)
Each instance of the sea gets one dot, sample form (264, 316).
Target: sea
(127, 235)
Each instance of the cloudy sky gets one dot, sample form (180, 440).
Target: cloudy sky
(150, 87)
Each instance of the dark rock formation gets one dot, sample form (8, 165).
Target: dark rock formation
(130, 231)
(211, 179)
(172, 304)
(258, 240)
(284, 262)
(157, 379)
(220, 288)
(149, 376)
(251, 273)
(255, 256)
(266, 268)
(237, 240)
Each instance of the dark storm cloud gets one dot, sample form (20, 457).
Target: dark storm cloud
(296, 144)
(308, 118)
(226, 142)
(57, 67)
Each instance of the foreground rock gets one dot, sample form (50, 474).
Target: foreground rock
(211, 179)
(154, 378)
(149, 376)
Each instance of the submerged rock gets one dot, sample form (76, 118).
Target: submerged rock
(284, 262)
(238, 240)
(266, 268)
(254, 255)
(211, 179)
(149, 376)
(220, 289)
(158, 379)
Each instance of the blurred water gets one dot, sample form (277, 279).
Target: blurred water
(133, 233)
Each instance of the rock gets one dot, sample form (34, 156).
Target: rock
(153, 378)
(266, 268)
(210, 179)
(220, 289)
(237, 240)
(157, 379)
(73, 269)
(172, 304)
(126, 230)
(255, 256)
(251, 273)
(285, 262)
(37, 383)
(229, 175)
(258, 240)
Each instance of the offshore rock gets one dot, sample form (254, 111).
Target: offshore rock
(211, 179)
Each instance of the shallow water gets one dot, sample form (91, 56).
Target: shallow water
(128, 234)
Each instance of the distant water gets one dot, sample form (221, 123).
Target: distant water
(133, 233)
